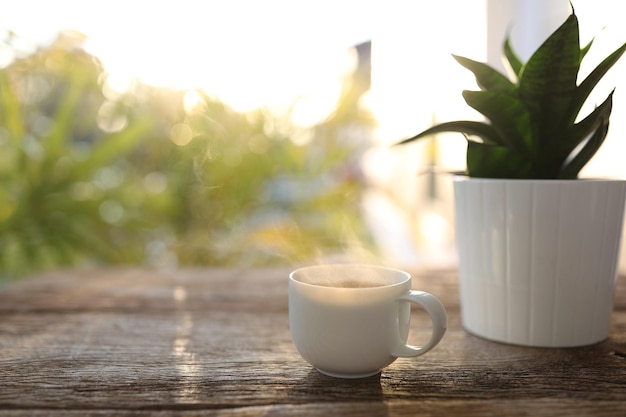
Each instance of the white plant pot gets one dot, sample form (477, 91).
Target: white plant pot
(538, 259)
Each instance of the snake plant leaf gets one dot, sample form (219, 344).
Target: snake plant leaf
(532, 130)
(588, 84)
(577, 133)
(486, 161)
(583, 51)
(548, 80)
(573, 167)
(511, 58)
(487, 78)
(507, 114)
(595, 125)
(487, 133)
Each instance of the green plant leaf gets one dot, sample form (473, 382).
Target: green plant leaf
(548, 80)
(495, 162)
(532, 130)
(511, 58)
(113, 146)
(10, 113)
(487, 133)
(580, 131)
(572, 169)
(598, 120)
(56, 142)
(589, 83)
(585, 49)
(507, 114)
(487, 78)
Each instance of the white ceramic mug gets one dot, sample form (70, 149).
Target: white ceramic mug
(351, 321)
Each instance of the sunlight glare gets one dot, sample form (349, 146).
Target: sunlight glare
(246, 53)
(193, 102)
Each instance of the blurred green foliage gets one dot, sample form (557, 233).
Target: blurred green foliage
(165, 178)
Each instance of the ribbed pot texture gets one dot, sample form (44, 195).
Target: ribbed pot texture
(538, 259)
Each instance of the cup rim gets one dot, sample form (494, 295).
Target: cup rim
(406, 276)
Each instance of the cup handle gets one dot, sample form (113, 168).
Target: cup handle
(439, 318)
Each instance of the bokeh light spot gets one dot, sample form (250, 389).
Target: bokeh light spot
(109, 118)
(83, 191)
(109, 177)
(181, 134)
(111, 211)
(155, 182)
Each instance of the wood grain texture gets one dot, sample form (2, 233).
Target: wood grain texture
(216, 342)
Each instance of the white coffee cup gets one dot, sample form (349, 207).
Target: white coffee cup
(351, 321)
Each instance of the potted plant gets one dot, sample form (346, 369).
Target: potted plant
(538, 247)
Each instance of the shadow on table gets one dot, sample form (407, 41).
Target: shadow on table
(319, 388)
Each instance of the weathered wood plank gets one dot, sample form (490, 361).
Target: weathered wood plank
(209, 342)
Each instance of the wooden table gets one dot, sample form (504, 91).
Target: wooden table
(216, 342)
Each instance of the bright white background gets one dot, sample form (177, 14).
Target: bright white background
(248, 53)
